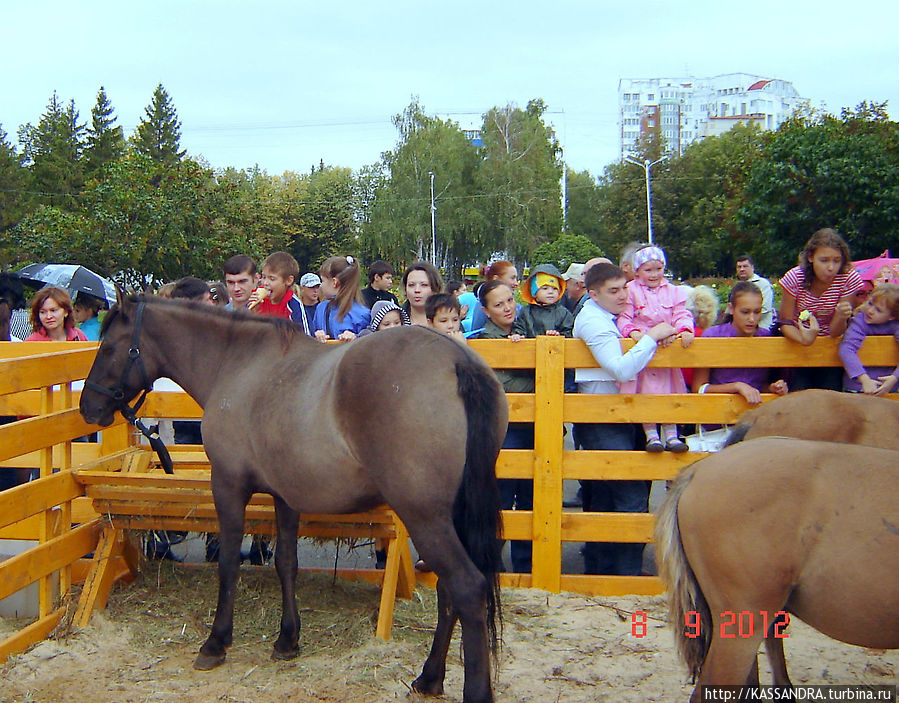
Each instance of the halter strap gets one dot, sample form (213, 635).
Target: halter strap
(117, 393)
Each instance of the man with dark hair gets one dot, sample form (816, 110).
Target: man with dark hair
(380, 279)
(595, 324)
(746, 272)
(241, 280)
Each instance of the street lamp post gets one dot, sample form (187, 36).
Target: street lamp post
(433, 223)
(646, 165)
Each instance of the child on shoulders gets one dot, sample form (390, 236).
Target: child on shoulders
(878, 315)
(651, 300)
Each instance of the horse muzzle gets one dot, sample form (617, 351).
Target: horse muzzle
(96, 413)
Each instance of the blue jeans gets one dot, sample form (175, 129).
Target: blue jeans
(622, 558)
(518, 493)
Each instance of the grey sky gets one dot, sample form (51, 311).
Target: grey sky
(283, 85)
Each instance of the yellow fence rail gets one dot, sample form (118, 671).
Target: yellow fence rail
(36, 385)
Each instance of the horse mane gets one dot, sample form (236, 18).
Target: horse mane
(286, 329)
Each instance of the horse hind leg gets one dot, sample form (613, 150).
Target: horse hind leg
(465, 598)
(430, 682)
(728, 662)
(774, 648)
(286, 646)
(230, 507)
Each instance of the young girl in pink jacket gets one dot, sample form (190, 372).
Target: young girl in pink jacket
(651, 299)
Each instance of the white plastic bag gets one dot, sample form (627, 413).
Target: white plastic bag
(708, 440)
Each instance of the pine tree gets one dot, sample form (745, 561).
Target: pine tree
(105, 141)
(54, 151)
(13, 179)
(159, 133)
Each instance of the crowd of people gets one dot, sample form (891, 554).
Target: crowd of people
(597, 301)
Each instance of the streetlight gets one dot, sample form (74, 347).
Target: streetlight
(433, 222)
(646, 164)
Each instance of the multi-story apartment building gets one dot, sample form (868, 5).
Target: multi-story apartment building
(685, 110)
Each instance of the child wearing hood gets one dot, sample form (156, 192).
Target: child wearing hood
(545, 313)
(384, 315)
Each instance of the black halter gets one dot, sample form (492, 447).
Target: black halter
(117, 393)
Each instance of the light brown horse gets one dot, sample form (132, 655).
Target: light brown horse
(822, 415)
(406, 416)
(778, 524)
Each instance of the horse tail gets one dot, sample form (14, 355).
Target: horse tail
(684, 593)
(738, 433)
(477, 508)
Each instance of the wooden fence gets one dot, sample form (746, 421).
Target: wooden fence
(35, 381)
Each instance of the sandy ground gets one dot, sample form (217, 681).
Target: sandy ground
(562, 647)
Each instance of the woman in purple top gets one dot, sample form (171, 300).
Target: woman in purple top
(744, 309)
(878, 315)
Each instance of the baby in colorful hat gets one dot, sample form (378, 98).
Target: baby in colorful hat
(545, 313)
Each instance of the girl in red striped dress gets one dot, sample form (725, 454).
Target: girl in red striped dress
(818, 297)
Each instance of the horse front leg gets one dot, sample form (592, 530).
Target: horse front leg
(288, 520)
(430, 682)
(230, 509)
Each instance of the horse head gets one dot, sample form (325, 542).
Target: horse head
(121, 369)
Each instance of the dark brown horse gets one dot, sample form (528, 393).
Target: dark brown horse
(822, 415)
(406, 416)
(778, 524)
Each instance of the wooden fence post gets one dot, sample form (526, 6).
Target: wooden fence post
(548, 439)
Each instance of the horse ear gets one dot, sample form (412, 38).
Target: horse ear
(121, 298)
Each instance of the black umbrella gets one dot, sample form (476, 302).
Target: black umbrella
(72, 277)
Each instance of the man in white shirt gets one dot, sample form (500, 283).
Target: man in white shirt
(746, 272)
(595, 324)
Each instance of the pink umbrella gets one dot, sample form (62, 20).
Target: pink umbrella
(880, 269)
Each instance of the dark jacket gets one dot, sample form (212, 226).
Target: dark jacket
(372, 296)
(513, 380)
(535, 319)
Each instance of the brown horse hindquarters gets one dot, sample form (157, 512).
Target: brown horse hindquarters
(402, 415)
(828, 416)
(810, 527)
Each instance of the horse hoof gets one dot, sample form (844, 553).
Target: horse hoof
(279, 655)
(427, 688)
(207, 662)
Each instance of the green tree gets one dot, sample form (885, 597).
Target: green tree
(13, 184)
(105, 141)
(824, 171)
(696, 198)
(564, 250)
(53, 152)
(583, 205)
(397, 226)
(320, 220)
(251, 214)
(143, 224)
(622, 207)
(48, 234)
(158, 135)
(518, 178)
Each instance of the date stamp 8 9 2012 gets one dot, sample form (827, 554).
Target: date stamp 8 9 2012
(732, 625)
